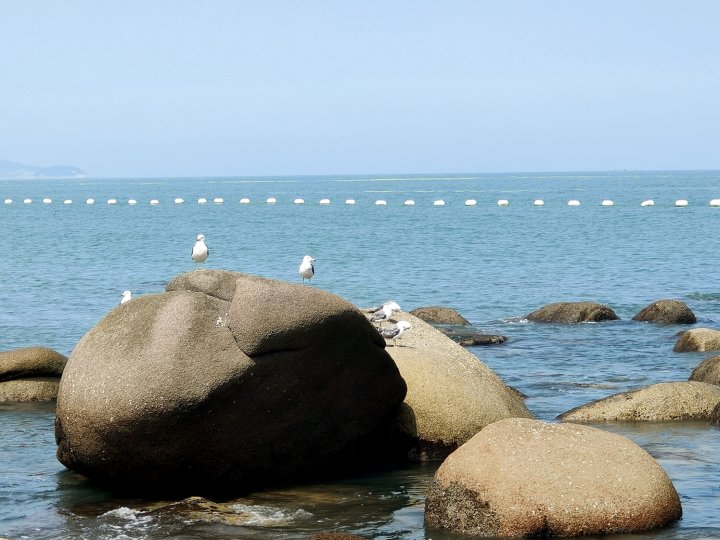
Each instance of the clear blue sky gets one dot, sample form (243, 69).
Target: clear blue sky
(223, 87)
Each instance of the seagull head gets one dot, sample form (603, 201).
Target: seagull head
(126, 293)
(200, 237)
(308, 258)
(392, 305)
(404, 325)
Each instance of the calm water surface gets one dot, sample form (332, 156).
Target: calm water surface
(66, 265)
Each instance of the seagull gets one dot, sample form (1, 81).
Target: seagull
(394, 332)
(126, 295)
(307, 270)
(393, 305)
(200, 251)
(384, 313)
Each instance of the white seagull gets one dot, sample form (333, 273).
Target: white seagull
(200, 251)
(394, 332)
(384, 313)
(307, 270)
(126, 296)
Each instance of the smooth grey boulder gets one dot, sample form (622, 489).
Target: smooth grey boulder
(187, 389)
(526, 478)
(439, 315)
(572, 312)
(666, 312)
(707, 371)
(689, 400)
(30, 374)
(698, 340)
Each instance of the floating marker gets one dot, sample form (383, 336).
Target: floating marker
(271, 200)
(648, 202)
(154, 202)
(607, 202)
(439, 202)
(350, 201)
(503, 202)
(324, 201)
(299, 201)
(179, 200)
(409, 202)
(67, 201)
(90, 201)
(112, 201)
(538, 202)
(132, 202)
(574, 202)
(715, 202)
(244, 200)
(380, 202)
(28, 201)
(218, 200)
(681, 202)
(471, 202)
(47, 201)
(8, 201)
(202, 200)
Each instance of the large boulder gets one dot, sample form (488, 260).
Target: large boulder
(715, 415)
(572, 312)
(439, 315)
(698, 339)
(526, 478)
(666, 312)
(30, 374)
(188, 388)
(662, 401)
(451, 395)
(707, 371)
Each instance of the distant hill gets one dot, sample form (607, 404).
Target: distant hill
(9, 170)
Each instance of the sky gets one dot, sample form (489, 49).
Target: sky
(262, 88)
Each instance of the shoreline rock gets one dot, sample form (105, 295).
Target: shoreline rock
(572, 313)
(30, 374)
(666, 312)
(707, 371)
(440, 315)
(698, 340)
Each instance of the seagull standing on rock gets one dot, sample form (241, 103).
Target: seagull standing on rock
(126, 296)
(307, 269)
(384, 313)
(394, 332)
(200, 251)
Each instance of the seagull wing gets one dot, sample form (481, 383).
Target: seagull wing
(389, 333)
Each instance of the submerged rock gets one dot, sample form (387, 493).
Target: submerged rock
(451, 395)
(698, 339)
(573, 312)
(471, 339)
(662, 401)
(666, 312)
(522, 478)
(189, 387)
(707, 371)
(30, 374)
(439, 315)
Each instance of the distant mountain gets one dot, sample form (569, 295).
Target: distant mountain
(9, 170)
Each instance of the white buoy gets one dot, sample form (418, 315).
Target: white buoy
(154, 202)
(244, 200)
(538, 202)
(574, 202)
(67, 201)
(349, 201)
(47, 201)
(271, 200)
(112, 201)
(8, 201)
(648, 202)
(202, 200)
(179, 200)
(471, 202)
(439, 202)
(218, 200)
(715, 202)
(503, 202)
(90, 201)
(325, 201)
(681, 202)
(607, 202)
(381, 202)
(28, 201)
(299, 201)
(409, 202)
(132, 202)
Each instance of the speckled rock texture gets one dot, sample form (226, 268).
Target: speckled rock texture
(439, 315)
(520, 478)
(30, 374)
(572, 312)
(686, 400)
(666, 312)
(197, 387)
(715, 416)
(451, 395)
(698, 340)
(707, 371)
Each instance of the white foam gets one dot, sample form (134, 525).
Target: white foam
(268, 516)
(439, 202)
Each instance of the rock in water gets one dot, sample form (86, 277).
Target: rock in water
(573, 312)
(666, 312)
(30, 374)
(187, 388)
(526, 478)
(439, 315)
(698, 339)
(707, 371)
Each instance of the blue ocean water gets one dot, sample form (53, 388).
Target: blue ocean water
(65, 266)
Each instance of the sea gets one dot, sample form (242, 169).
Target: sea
(65, 263)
